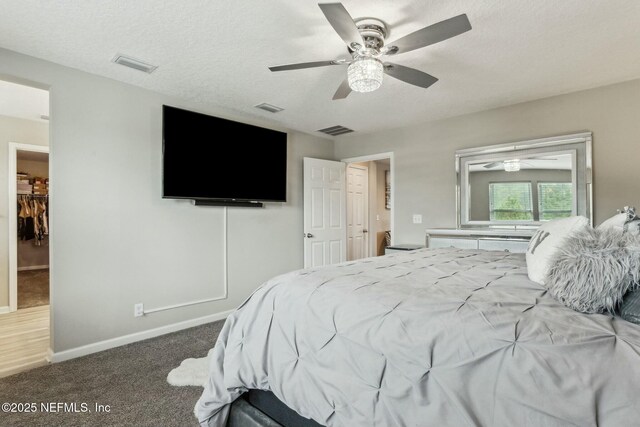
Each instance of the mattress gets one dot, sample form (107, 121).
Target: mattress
(428, 337)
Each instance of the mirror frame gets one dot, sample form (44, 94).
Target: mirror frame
(579, 144)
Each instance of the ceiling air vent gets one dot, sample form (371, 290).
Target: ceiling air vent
(136, 64)
(268, 107)
(336, 130)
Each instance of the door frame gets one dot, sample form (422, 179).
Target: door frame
(392, 172)
(367, 204)
(14, 147)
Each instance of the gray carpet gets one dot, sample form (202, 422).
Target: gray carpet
(33, 288)
(131, 379)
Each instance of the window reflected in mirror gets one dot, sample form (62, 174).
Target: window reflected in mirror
(532, 189)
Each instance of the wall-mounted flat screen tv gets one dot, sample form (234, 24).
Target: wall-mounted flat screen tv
(210, 158)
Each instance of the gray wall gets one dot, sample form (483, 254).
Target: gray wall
(424, 154)
(479, 181)
(13, 130)
(115, 242)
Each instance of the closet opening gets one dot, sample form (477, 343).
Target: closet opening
(25, 212)
(32, 182)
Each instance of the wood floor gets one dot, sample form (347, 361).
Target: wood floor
(24, 340)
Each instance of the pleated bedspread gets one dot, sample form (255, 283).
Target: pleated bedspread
(442, 337)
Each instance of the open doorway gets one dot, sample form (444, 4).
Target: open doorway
(369, 207)
(24, 211)
(32, 233)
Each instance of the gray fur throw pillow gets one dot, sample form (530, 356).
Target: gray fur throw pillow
(595, 269)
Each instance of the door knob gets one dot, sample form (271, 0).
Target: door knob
(309, 235)
(365, 231)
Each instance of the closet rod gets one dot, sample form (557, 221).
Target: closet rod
(33, 195)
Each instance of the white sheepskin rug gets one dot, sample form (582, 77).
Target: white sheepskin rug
(191, 372)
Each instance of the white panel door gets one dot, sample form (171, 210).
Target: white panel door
(324, 212)
(357, 212)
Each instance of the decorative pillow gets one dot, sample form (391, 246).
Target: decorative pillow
(594, 270)
(546, 243)
(625, 222)
(630, 309)
(616, 222)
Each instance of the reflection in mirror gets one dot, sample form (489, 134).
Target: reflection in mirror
(523, 184)
(530, 189)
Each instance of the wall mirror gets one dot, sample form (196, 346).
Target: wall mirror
(523, 184)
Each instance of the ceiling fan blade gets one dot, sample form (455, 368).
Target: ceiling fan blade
(492, 165)
(342, 22)
(303, 65)
(343, 90)
(409, 75)
(432, 34)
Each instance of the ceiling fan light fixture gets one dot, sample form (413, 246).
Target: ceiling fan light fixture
(365, 74)
(512, 165)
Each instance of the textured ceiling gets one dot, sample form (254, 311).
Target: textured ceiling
(217, 52)
(23, 102)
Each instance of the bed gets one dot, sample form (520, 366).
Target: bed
(443, 337)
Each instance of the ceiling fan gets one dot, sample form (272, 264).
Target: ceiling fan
(513, 165)
(365, 39)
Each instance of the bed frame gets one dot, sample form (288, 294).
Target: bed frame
(258, 408)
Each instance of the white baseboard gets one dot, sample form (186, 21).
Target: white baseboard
(84, 350)
(33, 267)
(5, 309)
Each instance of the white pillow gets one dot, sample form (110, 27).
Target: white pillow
(548, 241)
(616, 222)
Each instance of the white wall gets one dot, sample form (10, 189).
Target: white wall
(424, 154)
(13, 130)
(115, 241)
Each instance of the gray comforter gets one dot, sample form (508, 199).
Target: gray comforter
(442, 337)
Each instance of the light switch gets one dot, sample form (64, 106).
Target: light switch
(417, 219)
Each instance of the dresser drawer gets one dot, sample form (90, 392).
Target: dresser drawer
(444, 242)
(503, 245)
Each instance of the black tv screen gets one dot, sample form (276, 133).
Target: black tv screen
(209, 158)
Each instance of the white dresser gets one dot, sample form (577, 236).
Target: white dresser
(492, 239)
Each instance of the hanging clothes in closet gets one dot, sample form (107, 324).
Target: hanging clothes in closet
(33, 223)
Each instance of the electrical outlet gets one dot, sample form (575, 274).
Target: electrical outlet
(138, 310)
(417, 219)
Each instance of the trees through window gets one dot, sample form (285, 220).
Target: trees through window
(515, 201)
(554, 200)
(510, 201)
